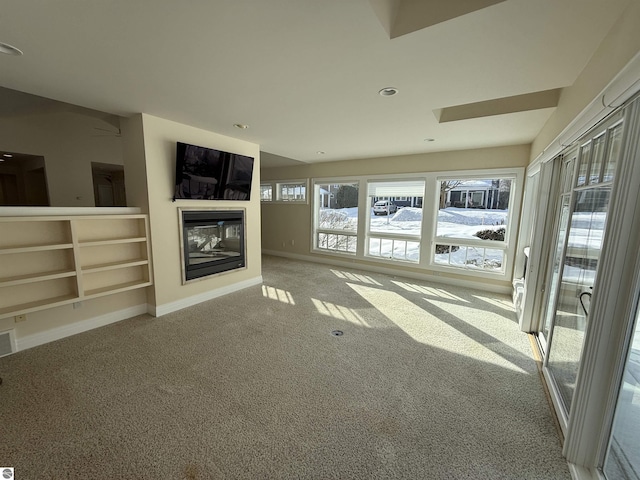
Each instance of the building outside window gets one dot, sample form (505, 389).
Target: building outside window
(473, 219)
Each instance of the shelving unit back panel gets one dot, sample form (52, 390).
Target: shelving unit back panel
(17, 234)
(115, 278)
(19, 297)
(32, 263)
(105, 228)
(99, 255)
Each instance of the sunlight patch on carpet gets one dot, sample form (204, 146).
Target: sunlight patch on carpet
(428, 329)
(355, 277)
(277, 294)
(490, 320)
(341, 313)
(504, 304)
(436, 292)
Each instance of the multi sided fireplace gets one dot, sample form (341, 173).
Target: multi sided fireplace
(212, 242)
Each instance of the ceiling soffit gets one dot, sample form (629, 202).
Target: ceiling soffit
(500, 106)
(400, 17)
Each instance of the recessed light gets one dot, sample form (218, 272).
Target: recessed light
(8, 155)
(241, 126)
(9, 49)
(429, 139)
(388, 91)
(320, 152)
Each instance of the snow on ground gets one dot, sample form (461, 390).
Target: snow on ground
(472, 216)
(452, 222)
(408, 214)
(460, 223)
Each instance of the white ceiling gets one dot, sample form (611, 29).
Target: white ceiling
(305, 74)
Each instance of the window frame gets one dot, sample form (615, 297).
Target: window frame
(272, 187)
(516, 175)
(429, 221)
(276, 191)
(315, 211)
(391, 236)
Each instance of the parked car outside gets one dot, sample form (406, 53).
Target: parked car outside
(384, 207)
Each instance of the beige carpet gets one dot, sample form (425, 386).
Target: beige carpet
(427, 382)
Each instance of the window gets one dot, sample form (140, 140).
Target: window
(289, 191)
(472, 227)
(266, 192)
(336, 217)
(292, 191)
(394, 230)
(430, 221)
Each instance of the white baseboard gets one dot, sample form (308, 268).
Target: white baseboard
(160, 310)
(58, 333)
(478, 285)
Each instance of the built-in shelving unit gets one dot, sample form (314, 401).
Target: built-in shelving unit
(48, 261)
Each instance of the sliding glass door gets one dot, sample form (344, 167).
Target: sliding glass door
(563, 214)
(587, 177)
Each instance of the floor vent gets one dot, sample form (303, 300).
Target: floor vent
(7, 343)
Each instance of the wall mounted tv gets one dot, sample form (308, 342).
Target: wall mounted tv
(209, 174)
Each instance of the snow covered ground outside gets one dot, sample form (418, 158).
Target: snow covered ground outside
(452, 222)
(457, 224)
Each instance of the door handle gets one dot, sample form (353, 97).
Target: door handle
(582, 301)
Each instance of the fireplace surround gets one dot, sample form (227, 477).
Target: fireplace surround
(213, 241)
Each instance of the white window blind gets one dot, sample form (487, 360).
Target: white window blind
(411, 188)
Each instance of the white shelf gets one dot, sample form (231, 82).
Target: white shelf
(113, 266)
(35, 248)
(75, 272)
(37, 305)
(114, 241)
(40, 277)
(118, 288)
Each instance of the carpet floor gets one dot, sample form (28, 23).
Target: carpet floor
(426, 382)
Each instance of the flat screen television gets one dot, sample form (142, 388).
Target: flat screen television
(208, 174)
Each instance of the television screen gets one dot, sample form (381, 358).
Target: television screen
(209, 174)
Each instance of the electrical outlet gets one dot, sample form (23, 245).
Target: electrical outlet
(293, 242)
(20, 318)
(77, 305)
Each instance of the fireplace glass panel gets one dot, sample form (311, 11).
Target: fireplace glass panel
(208, 243)
(213, 242)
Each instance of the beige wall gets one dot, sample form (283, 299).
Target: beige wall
(499, 157)
(616, 50)
(148, 149)
(160, 137)
(135, 168)
(68, 142)
(286, 228)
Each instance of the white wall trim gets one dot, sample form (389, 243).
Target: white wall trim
(58, 333)
(506, 290)
(159, 310)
